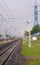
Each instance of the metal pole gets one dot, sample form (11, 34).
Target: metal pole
(29, 44)
(29, 38)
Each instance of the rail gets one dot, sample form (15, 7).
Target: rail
(10, 54)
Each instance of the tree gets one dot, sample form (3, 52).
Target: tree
(26, 33)
(8, 36)
(0, 35)
(35, 29)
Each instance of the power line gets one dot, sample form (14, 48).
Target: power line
(6, 21)
(10, 18)
(8, 11)
(8, 8)
(5, 11)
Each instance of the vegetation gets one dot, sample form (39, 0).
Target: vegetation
(35, 29)
(26, 33)
(8, 36)
(33, 62)
(33, 51)
(0, 35)
(26, 51)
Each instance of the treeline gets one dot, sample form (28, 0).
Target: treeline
(34, 30)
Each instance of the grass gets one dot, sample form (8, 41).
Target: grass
(33, 62)
(34, 50)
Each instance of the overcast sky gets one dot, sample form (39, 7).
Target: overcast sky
(20, 12)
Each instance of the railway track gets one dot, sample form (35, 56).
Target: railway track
(8, 54)
(6, 44)
(6, 47)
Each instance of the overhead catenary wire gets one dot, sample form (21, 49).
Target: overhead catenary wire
(8, 8)
(11, 17)
(8, 17)
(4, 9)
(5, 12)
(7, 22)
(10, 12)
